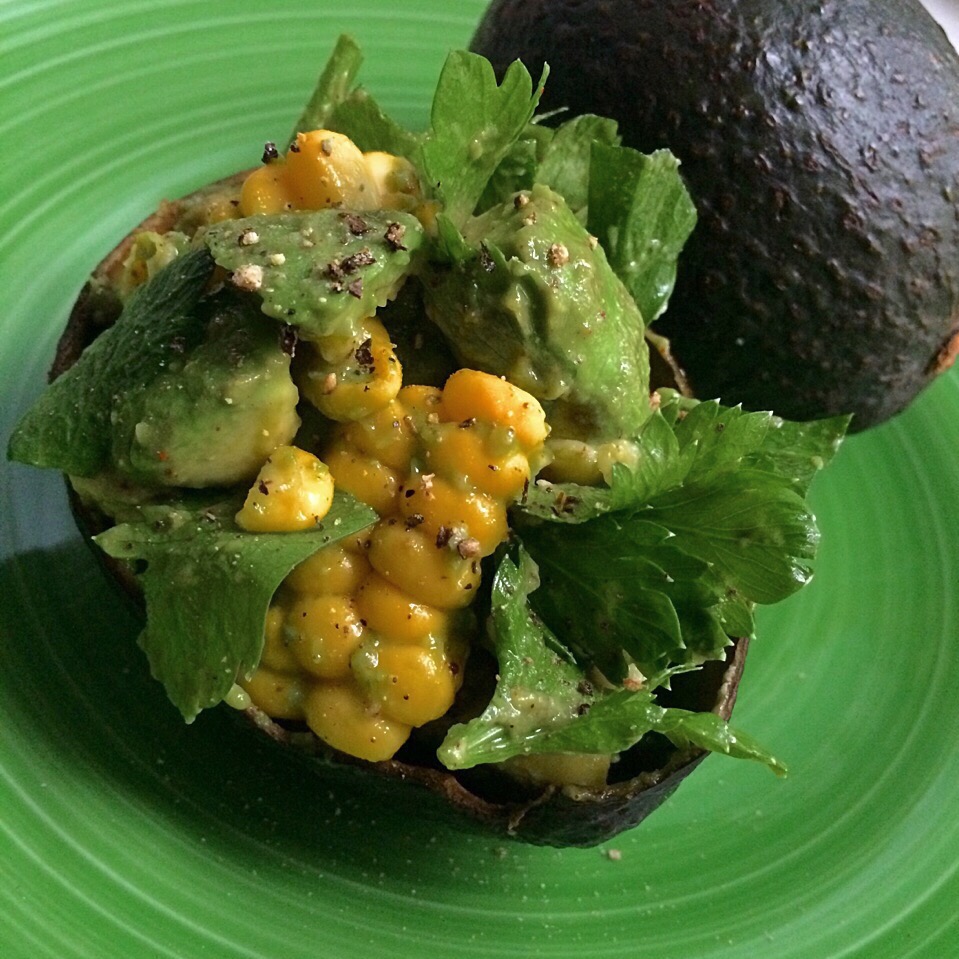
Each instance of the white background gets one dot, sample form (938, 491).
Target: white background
(947, 13)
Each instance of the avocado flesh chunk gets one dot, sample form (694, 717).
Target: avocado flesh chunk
(538, 303)
(819, 144)
(322, 271)
(214, 416)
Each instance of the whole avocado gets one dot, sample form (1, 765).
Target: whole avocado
(820, 142)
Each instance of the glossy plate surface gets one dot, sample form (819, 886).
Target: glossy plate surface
(125, 834)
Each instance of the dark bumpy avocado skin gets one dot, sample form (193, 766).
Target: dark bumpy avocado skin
(820, 143)
(646, 775)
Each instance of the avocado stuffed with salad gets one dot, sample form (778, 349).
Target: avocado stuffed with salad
(381, 435)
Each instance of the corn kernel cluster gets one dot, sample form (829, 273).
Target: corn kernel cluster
(364, 641)
(326, 169)
(367, 639)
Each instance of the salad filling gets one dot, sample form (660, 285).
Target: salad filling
(375, 424)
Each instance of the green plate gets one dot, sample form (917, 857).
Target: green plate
(125, 834)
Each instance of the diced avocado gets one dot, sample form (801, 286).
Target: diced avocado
(113, 495)
(322, 271)
(539, 303)
(212, 417)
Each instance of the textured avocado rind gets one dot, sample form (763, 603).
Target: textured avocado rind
(646, 776)
(820, 143)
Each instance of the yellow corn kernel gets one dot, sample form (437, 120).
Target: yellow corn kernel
(395, 179)
(462, 456)
(385, 435)
(322, 169)
(336, 349)
(277, 654)
(220, 207)
(472, 393)
(266, 190)
(572, 461)
(623, 451)
(277, 694)
(435, 575)
(364, 477)
(426, 213)
(421, 405)
(149, 253)
(328, 572)
(421, 400)
(412, 684)
(437, 504)
(574, 769)
(326, 632)
(327, 169)
(342, 718)
(368, 380)
(391, 612)
(359, 543)
(293, 491)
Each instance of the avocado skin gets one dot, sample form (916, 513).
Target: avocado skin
(820, 143)
(647, 774)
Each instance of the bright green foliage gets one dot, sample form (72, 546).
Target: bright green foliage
(544, 703)
(208, 585)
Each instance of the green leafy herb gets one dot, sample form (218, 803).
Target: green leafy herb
(539, 685)
(208, 585)
(69, 427)
(474, 124)
(656, 466)
(619, 719)
(707, 731)
(752, 529)
(622, 584)
(688, 441)
(517, 169)
(704, 519)
(642, 214)
(361, 118)
(566, 164)
(555, 157)
(544, 704)
(337, 105)
(322, 270)
(715, 438)
(332, 88)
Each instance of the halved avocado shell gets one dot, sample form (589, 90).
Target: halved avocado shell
(641, 780)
